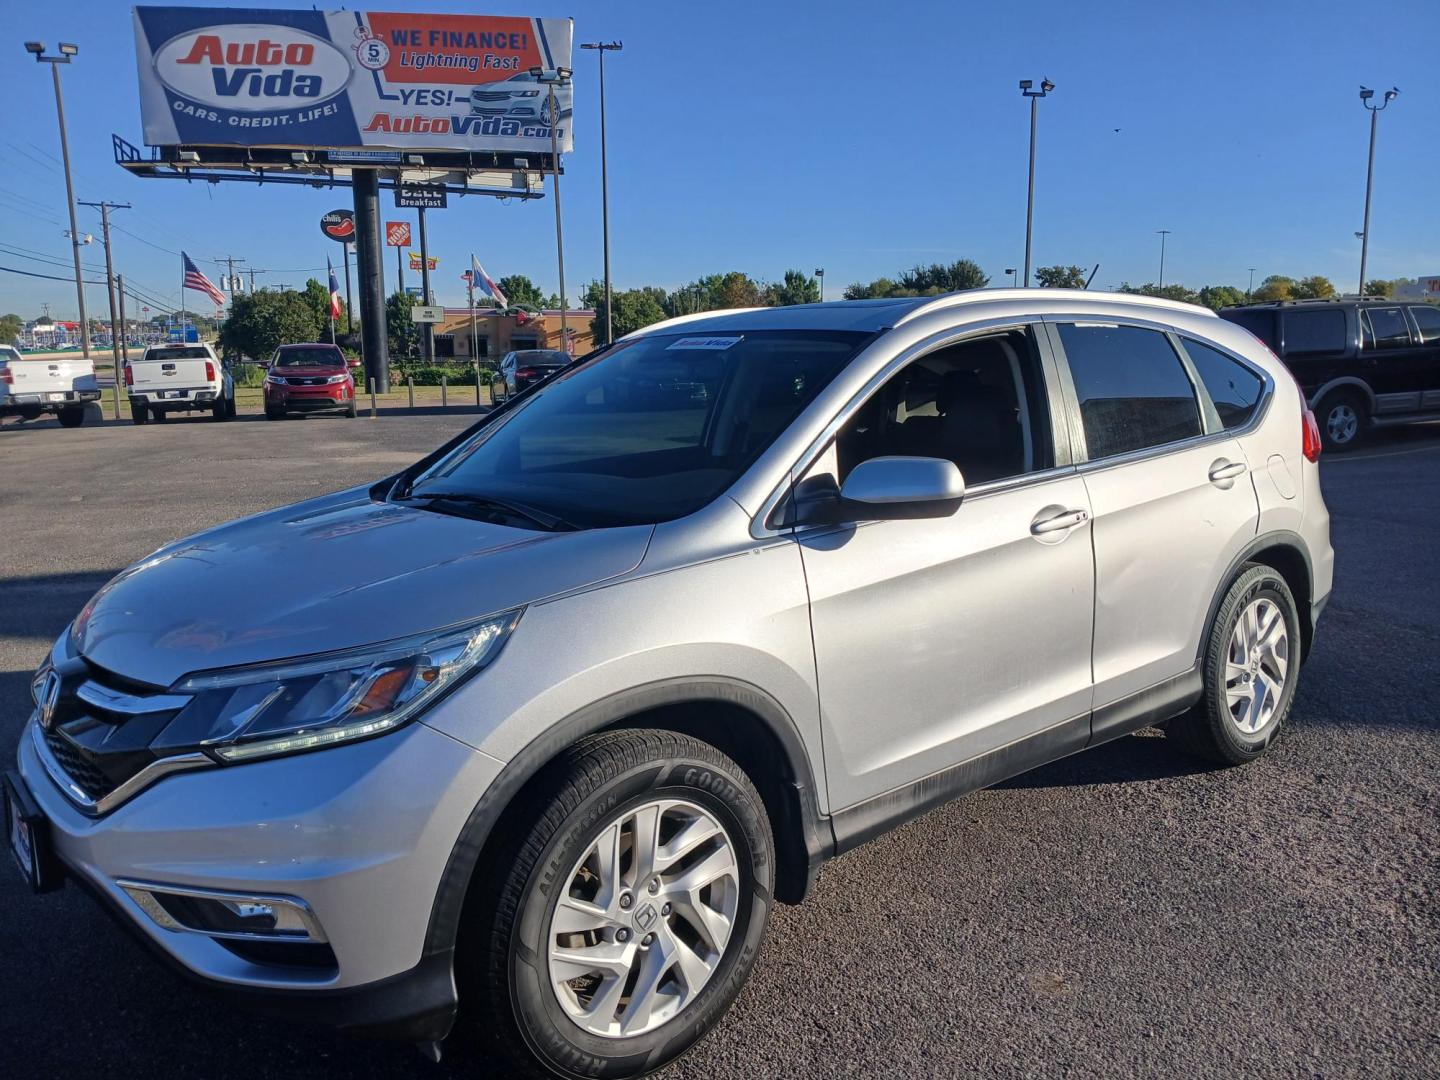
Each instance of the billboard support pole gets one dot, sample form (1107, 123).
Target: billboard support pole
(371, 273)
(427, 332)
(399, 268)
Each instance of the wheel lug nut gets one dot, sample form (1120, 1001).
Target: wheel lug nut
(654, 885)
(622, 935)
(625, 901)
(647, 939)
(665, 910)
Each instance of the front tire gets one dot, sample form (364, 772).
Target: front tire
(71, 417)
(626, 913)
(1250, 668)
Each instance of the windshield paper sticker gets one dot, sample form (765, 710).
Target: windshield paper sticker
(713, 343)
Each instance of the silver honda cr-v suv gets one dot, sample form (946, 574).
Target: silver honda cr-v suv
(545, 722)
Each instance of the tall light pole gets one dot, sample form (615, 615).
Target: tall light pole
(1366, 95)
(603, 47)
(553, 77)
(1163, 234)
(67, 51)
(1034, 95)
(1251, 287)
(820, 273)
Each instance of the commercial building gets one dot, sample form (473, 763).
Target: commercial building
(498, 333)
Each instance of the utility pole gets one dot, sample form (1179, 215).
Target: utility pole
(1163, 234)
(105, 208)
(124, 342)
(1251, 287)
(552, 79)
(67, 53)
(233, 283)
(603, 47)
(427, 331)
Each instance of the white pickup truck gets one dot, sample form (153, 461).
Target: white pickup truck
(32, 386)
(179, 378)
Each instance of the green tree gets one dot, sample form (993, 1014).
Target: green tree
(1167, 292)
(634, 309)
(1275, 287)
(944, 277)
(1313, 288)
(798, 287)
(262, 321)
(1216, 297)
(736, 290)
(1379, 287)
(402, 331)
(1060, 277)
(317, 296)
(10, 328)
(875, 290)
(520, 291)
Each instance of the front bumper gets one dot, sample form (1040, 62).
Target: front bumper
(319, 399)
(360, 834)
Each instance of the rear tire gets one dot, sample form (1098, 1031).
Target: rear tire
(350, 412)
(158, 415)
(139, 414)
(1250, 668)
(71, 417)
(651, 789)
(274, 414)
(1343, 417)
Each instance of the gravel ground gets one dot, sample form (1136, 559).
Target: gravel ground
(1123, 912)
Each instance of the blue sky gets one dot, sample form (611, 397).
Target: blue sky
(857, 137)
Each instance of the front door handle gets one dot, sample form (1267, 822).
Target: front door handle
(1225, 470)
(1065, 519)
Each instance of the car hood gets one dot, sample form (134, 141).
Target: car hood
(332, 573)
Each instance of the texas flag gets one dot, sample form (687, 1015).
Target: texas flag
(335, 305)
(483, 280)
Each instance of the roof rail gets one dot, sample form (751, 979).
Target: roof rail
(680, 320)
(984, 296)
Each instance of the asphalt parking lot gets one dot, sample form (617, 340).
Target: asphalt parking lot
(1122, 912)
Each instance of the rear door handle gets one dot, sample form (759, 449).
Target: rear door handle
(1066, 519)
(1225, 470)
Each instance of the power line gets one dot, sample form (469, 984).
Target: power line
(51, 277)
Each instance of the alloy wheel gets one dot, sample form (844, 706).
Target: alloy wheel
(644, 918)
(1342, 423)
(1257, 665)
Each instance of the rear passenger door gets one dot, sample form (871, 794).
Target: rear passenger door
(1394, 362)
(1426, 320)
(1168, 490)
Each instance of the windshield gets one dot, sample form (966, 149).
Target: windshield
(541, 358)
(319, 356)
(179, 352)
(650, 430)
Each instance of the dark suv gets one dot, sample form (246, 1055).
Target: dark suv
(1362, 363)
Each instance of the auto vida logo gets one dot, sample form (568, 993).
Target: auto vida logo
(249, 67)
(49, 698)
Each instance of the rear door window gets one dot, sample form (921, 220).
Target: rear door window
(1427, 321)
(1385, 328)
(1260, 323)
(1234, 388)
(1312, 333)
(1133, 390)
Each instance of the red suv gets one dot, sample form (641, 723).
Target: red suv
(313, 377)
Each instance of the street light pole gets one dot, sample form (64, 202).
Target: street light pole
(67, 51)
(1034, 95)
(1163, 234)
(1366, 94)
(820, 273)
(1251, 287)
(603, 47)
(1014, 282)
(552, 79)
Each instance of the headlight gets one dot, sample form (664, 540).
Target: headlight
(275, 380)
(526, 93)
(305, 704)
(338, 378)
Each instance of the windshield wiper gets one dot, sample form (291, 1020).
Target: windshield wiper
(505, 507)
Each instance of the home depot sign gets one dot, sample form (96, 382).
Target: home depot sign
(397, 233)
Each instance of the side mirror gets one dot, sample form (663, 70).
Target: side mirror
(903, 487)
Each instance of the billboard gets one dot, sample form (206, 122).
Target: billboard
(322, 79)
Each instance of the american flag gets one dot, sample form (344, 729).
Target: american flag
(194, 279)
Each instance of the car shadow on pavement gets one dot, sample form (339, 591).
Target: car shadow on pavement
(40, 604)
(1145, 755)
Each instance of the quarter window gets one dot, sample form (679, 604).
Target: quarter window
(1232, 386)
(1309, 333)
(1385, 328)
(1133, 389)
(1428, 320)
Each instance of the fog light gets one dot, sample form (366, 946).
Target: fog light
(225, 915)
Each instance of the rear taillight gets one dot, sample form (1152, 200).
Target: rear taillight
(209, 371)
(129, 375)
(7, 376)
(525, 373)
(1310, 431)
